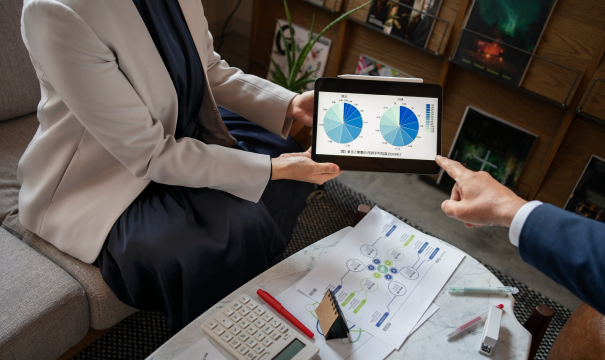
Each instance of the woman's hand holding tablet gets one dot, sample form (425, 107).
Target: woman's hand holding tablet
(377, 125)
(300, 167)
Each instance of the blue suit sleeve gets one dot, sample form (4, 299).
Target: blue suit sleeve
(569, 249)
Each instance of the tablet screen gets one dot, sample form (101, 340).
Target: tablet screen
(377, 126)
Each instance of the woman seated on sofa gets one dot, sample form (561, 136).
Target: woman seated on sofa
(135, 169)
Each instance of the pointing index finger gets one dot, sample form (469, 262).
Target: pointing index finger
(453, 168)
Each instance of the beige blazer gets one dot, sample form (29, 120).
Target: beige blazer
(107, 119)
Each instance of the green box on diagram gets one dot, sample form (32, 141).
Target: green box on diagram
(399, 265)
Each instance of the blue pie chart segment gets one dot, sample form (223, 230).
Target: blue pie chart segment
(399, 126)
(343, 123)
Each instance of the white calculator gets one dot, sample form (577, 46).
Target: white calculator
(250, 332)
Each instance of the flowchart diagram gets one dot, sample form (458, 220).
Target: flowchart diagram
(382, 272)
(359, 346)
(385, 271)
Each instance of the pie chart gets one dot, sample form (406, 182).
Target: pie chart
(399, 126)
(343, 123)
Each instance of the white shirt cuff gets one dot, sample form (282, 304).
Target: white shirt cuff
(519, 220)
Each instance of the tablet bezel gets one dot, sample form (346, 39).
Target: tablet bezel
(377, 164)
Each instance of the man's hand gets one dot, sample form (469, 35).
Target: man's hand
(299, 166)
(477, 198)
(301, 108)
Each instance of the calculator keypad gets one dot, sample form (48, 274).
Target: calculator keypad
(247, 329)
(259, 311)
(243, 324)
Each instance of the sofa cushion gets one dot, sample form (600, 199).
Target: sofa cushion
(43, 310)
(15, 135)
(105, 308)
(19, 86)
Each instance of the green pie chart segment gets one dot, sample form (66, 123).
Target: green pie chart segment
(399, 126)
(343, 123)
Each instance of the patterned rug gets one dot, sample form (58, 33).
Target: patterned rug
(140, 334)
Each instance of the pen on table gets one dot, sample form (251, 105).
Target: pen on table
(285, 313)
(470, 323)
(484, 290)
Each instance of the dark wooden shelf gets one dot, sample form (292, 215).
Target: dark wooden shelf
(528, 92)
(326, 8)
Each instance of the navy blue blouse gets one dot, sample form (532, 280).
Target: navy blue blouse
(168, 29)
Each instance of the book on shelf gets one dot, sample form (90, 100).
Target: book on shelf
(411, 20)
(315, 60)
(486, 143)
(588, 196)
(500, 37)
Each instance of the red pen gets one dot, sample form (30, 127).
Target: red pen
(285, 313)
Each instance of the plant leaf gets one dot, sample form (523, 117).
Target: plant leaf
(289, 59)
(308, 47)
(301, 84)
(275, 79)
(298, 64)
(312, 27)
(305, 78)
(292, 43)
(280, 75)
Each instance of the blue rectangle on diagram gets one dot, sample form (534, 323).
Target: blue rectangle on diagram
(382, 319)
(423, 247)
(391, 231)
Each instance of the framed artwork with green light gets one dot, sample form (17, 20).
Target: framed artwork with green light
(500, 37)
(486, 143)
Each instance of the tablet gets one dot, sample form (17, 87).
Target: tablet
(382, 126)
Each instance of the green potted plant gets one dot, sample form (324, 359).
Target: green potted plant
(291, 79)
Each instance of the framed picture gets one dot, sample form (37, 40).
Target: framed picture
(486, 143)
(588, 196)
(368, 66)
(516, 24)
(404, 19)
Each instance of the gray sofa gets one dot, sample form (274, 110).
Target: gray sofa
(51, 304)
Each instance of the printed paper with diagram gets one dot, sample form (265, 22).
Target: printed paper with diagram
(360, 345)
(385, 275)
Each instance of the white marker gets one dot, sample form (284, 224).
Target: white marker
(467, 325)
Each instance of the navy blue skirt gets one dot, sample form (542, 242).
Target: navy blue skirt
(180, 250)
